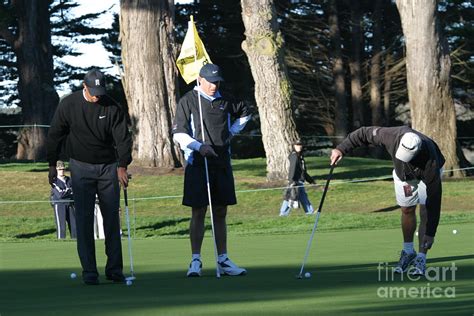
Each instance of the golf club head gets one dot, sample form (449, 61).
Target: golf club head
(299, 276)
(130, 278)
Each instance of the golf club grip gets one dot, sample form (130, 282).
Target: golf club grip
(320, 208)
(125, 197)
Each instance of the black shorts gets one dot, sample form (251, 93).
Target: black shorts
(221, 182)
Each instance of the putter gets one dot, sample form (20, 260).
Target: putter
(308, 247)
(218, 274)
(132, 274)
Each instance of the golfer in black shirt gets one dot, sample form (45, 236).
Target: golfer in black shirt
(222, 118)
(417, 172)
(97, 140)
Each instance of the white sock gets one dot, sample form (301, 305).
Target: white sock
(222, 257)
(197, 256)
(422, 255)
(408, 247)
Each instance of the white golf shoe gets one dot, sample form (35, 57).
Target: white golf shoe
(195, 268)
(227, 267)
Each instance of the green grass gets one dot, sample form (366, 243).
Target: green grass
(156, 209)
(358, 229)
(344, 265)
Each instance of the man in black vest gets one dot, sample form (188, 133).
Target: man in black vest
(222, 118)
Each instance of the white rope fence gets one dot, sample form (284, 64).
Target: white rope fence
(334, 182)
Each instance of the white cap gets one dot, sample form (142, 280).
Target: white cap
(409, 146)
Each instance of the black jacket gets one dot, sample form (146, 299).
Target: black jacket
(425, 166)
(95, 133)
(297, 170)
(217, 117)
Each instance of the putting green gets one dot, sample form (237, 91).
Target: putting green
(349, 276)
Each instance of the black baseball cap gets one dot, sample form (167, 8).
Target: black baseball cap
(298, 142)
(95, 82)
(211, 73)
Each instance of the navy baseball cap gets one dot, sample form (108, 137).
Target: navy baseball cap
(95, 82)
(211, 73)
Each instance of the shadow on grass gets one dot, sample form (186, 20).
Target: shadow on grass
(165, 223)
(154, 229)
(275, 290)
(452, 258)
(184, 232)
(387, 209)
(36, 234)
(178, 233)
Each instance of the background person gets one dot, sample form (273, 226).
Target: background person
(99, 146)
(218, 111)
(61, 191)
(417, 172)
(297, 175)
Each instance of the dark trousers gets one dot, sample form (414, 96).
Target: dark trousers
(64, 213)
(87, 181)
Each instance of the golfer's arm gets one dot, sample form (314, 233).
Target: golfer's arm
(292, 170)
(123, 140)
(433, 206)
(239, 124)
(361, 137)
(185, 141)
(307, 177)
(56, 192)
(56, 134)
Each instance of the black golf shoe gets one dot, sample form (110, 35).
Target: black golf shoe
(91, 281)
(116, 277)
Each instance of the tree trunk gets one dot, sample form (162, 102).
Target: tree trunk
(34, 60)
(341, 120)
(355, 68)
(386, 89)
(375, 92)
(263, 46)
(428, 75)
(148, 54)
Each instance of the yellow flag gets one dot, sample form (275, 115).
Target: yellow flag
(193, 55)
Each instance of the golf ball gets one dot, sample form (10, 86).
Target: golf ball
(455, 231)
(73, 275)
(416, 233)
(129, 282)
(307, 275)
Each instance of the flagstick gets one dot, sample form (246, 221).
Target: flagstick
(205, 164)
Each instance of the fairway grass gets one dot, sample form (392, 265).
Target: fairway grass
(156, 210)
(344, 266)
(358, 237)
